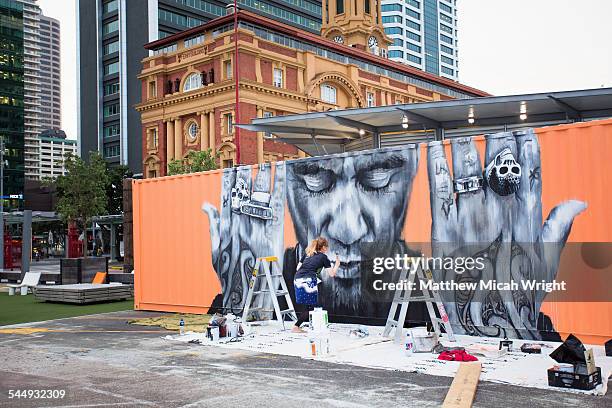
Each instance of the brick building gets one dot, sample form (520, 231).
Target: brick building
(189, 86)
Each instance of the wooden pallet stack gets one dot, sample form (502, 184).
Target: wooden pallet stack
(83, 293)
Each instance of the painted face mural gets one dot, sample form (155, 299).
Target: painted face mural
(359, 198)
(351, 200)
(499, 220)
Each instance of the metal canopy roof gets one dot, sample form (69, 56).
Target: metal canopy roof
(16, 217)
(330, 132)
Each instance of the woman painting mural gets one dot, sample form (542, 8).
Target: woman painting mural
(305, 282)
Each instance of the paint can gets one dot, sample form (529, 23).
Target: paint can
(423, 341)
(232, 329)
(214, 333)
(318, 319)
(408, 344)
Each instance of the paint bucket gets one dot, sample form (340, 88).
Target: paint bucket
(318, 319)
(424, 341)
(232, 329)
(214, 333)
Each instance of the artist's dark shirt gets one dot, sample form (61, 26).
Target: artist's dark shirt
(312, 264)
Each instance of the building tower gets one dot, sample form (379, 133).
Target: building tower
(12, 101)
(50, 87)
(31, 46)
(356, 23)
(424, 34)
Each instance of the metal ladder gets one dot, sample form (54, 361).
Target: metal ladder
(264, 281)
(404, 297)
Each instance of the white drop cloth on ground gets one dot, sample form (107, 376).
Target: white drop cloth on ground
(376, 351)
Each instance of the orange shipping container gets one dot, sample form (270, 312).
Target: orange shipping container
(196, 236)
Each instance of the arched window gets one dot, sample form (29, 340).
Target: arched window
(328, 93)
(193, 81)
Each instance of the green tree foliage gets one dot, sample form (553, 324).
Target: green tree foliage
(114, 189)
(194, 162)
(82, 191)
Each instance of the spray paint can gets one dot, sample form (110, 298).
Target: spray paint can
(181, 327)
(409, 344)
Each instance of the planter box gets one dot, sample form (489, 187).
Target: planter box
(81, 270)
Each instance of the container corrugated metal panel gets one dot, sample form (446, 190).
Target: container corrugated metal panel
(174, 269)
(364, 143)
(402, 139)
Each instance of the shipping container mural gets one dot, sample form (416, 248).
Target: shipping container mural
(197, 236)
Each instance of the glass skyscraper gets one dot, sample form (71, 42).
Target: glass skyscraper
(424, 34)
(12, 101)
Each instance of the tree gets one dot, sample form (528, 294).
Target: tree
(114, 190)
(82, 191)
(194, 162)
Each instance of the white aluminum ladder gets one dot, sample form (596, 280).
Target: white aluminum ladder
(265, 280)
(404, 297)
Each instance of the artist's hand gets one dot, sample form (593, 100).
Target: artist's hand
(238, 239)
(333, 271)
(501, 222)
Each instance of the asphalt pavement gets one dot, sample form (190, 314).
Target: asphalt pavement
(101, 361)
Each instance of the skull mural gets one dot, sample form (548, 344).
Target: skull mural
(503, 174)
(240, 193)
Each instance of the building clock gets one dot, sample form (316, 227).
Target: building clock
(339, 39)
(372, 42)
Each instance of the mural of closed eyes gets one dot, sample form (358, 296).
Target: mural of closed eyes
(351, 199)
(496, 215)
(248, 226)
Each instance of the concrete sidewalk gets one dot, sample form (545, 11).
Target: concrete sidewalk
(100, 360)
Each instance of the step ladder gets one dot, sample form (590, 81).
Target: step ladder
(404, 297)
(267, 283)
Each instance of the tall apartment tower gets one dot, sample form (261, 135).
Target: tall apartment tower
(12, 101)
(50, 98)
(424, 34)
(111, 35)
(32, 103)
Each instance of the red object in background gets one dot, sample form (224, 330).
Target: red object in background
(12, 252)
(75, 247)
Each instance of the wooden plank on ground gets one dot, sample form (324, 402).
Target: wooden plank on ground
(463, 389)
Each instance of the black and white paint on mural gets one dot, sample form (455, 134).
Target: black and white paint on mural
(499, 218)
(351, 199)
(249, 226)
(493, 211)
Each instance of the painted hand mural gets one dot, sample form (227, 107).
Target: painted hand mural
(352, 199)
(497, 217)
(249, 225)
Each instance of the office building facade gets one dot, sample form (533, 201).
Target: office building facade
(50, 70)
(111, 37)
(53, 148)
(424, 34)
(12, 121)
